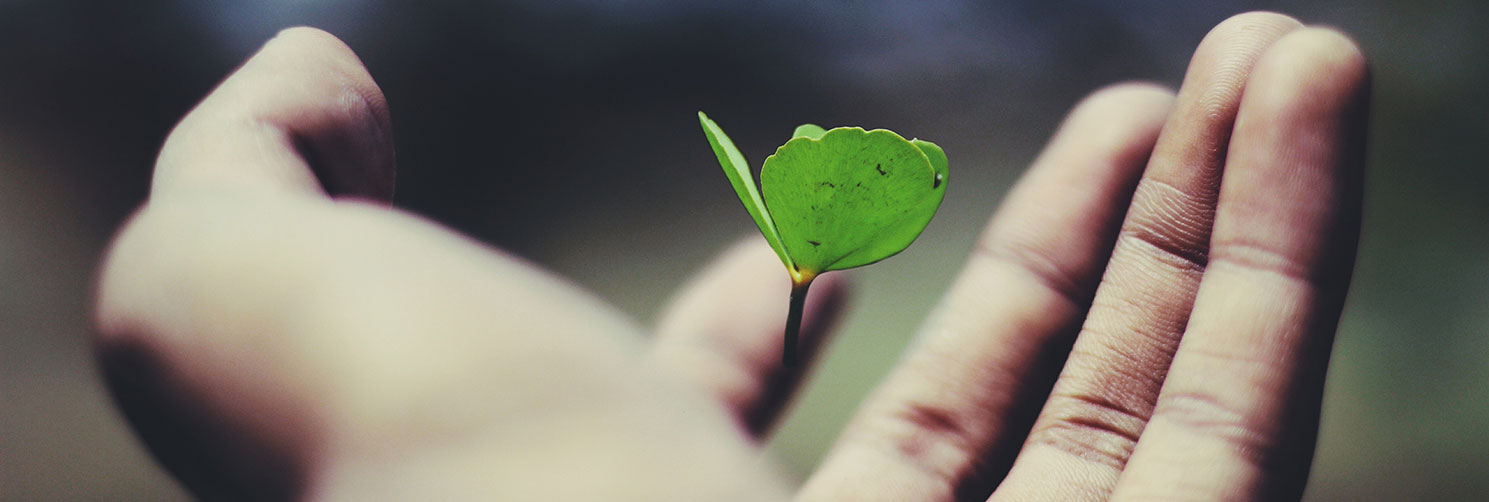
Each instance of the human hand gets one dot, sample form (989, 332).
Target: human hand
(1200, 287)
(271, 342)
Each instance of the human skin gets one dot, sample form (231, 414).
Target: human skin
(1148, 316)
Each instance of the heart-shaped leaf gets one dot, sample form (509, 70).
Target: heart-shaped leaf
(851, 197)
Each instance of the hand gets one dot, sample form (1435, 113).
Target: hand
(271, 341)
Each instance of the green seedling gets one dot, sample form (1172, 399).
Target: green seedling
(835, 199)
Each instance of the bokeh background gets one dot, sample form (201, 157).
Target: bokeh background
(564, 130)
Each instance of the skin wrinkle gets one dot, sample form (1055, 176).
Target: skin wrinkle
(1145, 283)
(1092, 427)
(935, 428)
(1037, 265)
(1171, 221)
(898, 436)
(345, 176)
(962, 434)
(1141, 363)
(1209, 415)
(1259, 258)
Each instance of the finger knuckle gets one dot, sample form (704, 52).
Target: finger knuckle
(1096, 428)
(932, 438)
(1021, 254)
(1210, 415)
(1262, 258)
(1169, 224)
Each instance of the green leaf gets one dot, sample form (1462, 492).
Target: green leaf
(737, 169)
(916, 219)
(851, 197)
(808, 131)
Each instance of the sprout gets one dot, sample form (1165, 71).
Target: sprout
(835, 199)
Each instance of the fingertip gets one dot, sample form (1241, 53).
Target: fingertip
(351, 151)
(1309, 64)
(330, 52)
(1124, 95)
(751, 261)
(723, 330)
(1316, 81)
(753, 250)
(1120, 117)
(308, 34)
(312, 45)
(1254, 21)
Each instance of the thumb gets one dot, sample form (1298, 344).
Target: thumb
(302, 115)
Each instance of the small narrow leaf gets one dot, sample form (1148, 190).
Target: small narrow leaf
(737, 169)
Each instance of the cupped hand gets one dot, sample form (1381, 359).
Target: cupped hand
(1148, 316)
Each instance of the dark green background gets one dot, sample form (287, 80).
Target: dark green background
(565, 130)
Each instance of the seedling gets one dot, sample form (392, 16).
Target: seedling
(835, 199)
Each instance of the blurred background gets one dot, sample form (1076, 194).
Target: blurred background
(565, 131)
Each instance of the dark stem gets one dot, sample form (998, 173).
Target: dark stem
(793, 324)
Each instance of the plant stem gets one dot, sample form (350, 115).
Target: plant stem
(793, 323)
